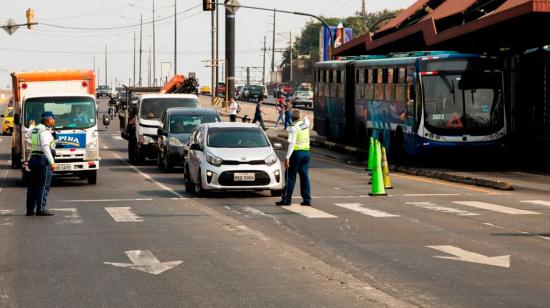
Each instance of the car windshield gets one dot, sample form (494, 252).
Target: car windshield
(69, 112)
(302, 93)
(152, 108)
(186, 123)
(236, 137)
(464, 103)
(256, 88)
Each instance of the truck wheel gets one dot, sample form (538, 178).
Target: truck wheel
(92, 177)
(140, 155)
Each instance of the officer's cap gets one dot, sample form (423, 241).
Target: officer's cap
(47, 115)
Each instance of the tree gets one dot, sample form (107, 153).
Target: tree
(307, 43)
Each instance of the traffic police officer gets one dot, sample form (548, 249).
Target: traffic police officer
(42, 166)
(297, 160)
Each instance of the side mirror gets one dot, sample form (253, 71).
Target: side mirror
(161, 132)
(277, 146)
(106, 120)
(196, 147)
(16, 119)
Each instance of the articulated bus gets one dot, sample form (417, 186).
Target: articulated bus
(415, 103)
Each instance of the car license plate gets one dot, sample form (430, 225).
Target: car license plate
(64, 167)
(244, 177)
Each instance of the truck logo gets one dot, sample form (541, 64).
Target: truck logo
(70, 140)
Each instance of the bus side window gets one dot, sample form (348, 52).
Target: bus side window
(379, 84)
(401, 87)
(369, 87)
(389, 87)
(360, 84)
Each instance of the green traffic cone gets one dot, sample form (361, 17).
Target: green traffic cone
(371, 154)
(377, 176)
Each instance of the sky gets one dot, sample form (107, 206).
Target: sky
(67, 36)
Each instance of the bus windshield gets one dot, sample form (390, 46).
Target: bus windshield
(152, 108)
(69, 112)
(468, 102)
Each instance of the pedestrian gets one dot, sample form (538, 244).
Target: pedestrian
(234, 108)
(297, 160)
(280, 111)
(288, 113)
(258, 115)
(42, 165)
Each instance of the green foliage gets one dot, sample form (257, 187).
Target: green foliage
(308, 41)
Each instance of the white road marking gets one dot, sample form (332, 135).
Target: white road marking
(71, 216)
(308, 211)
(145, 261)
(537, 202)
(7, 212)
(495, 208)
(429, 195)
(105, 147)
(437, 208)
(254, 211)
(117, 138)
(123, 214)
(468, 256)
(106, 200)
(6, 220)
(357, 207)
(145, 175)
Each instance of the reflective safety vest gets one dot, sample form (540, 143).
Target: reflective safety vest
(302, 136)
(36, 146)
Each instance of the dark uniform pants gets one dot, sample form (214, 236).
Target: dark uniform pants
(299, 164)
(40, 180)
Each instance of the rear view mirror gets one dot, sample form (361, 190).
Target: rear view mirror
(277, 146)
(106, 120)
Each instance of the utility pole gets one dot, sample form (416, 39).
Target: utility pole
(364, 9)
(247, 75)
(291, 77)
(175, 38)
(263, 67)
(217, 12)
(149, 68)
(106, 64)
(154, 49)
(230, 50)
(273, 45)
(214, 61)
(134, 80)
(140, 46)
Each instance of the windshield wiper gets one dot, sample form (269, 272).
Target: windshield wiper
(450, 87)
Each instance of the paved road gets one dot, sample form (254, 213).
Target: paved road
(428, 243)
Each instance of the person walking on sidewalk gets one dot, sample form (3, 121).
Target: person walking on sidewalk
(234, 108)
(297, 160)
(258, 115)
(280, 111)
(288, 113)
(42, 166)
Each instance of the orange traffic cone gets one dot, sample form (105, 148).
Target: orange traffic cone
(377, 176)
(386, 170)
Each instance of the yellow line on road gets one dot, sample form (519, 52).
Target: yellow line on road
(421, 179)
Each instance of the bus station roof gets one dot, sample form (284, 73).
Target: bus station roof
(465, 25)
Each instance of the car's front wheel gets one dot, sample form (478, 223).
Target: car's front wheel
(199, 191)
(189, 185)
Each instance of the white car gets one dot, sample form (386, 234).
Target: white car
(232, 156)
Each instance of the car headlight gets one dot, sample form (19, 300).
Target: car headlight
(214, 160)
(271, 159)
(174, 142)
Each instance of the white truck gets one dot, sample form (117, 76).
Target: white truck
(70, 95)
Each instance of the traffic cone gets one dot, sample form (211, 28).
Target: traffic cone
(386, 170)
(377, 176)
(371, 154)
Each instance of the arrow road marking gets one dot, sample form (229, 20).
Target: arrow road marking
(467, 256)
(356, 207)
(437, 208)
(145, 261)
(123, 214)
(495, 208)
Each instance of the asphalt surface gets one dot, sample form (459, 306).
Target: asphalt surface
(428, 243)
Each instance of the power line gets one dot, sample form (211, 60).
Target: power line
(117, 27)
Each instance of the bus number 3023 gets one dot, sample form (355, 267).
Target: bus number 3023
(438, 117)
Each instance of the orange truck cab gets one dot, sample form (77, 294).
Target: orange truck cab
(70, 95)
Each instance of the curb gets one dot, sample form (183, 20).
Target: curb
(468, 180)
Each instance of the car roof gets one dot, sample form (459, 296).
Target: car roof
(230, 125)
(191, 111)
(144, 96)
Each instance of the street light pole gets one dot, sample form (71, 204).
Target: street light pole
(106, 64)
(230, 52)
(175, 38)
(140, 46)
(134, 80)
(154, 49)
(214, 64)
